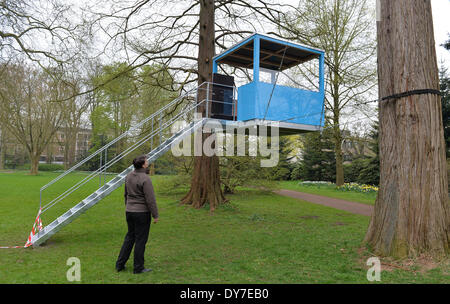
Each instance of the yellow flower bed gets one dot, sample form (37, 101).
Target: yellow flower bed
(358, 188)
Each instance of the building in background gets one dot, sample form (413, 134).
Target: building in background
(56, 151)
(355, 147)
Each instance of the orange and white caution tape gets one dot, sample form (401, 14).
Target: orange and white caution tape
(38, 223)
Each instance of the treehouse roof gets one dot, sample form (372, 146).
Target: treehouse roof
(273, 53)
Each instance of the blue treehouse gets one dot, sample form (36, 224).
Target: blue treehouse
(259, 102)
(296, 110)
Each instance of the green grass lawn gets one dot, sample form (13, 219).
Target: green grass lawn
(330, 191)
(257, 238)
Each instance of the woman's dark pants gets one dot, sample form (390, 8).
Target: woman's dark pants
(138, 230)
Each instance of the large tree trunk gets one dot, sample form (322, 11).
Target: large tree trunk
(412, 214)
(34, 158)
(70, 145)
(205, 183)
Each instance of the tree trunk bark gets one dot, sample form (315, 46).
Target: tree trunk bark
(205, 183)
(34, 170)
(49, 154)
(2, 148)
(2, 158)
(152, 169)
(339, 163)
(337, 136)
(411, 214)
(70, 146)
(66, 155)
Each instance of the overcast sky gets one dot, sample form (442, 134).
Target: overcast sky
(441, 21)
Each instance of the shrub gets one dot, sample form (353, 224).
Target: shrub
(50, 167)
(174, 184)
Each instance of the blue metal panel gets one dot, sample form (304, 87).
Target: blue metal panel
(287, 104)
(322, 73)
(234, 48)
(256, 45)
(246, 101)
(322, 86)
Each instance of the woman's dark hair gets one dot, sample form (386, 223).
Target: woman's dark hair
(139, 161)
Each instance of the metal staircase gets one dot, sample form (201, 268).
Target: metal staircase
(155, 127)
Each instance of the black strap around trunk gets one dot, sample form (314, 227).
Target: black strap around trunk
(410, 93)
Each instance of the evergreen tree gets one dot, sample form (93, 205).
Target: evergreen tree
(370, 174)
(318, 162)
(447, 45)
(283, 170)
(445, 91)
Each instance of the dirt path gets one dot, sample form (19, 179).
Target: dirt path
(352, 207)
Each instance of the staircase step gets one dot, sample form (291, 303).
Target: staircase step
(77, 207)
(53, 224)
(114, 180)
(103, 188)
(66, 215)
(91, 197)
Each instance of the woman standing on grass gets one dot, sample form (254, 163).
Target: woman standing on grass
(140, 205)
